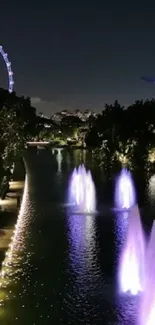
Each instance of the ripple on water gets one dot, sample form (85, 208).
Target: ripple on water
(62, 276)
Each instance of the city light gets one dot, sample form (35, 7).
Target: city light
(9, 70)
(122, 158)
(151, 156)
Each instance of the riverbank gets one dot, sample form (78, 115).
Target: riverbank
(9, 208)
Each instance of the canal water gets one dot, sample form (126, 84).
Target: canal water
(61, 268)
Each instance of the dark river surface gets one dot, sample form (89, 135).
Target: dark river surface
(62, 268)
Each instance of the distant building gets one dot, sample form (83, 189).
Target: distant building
(57, 117)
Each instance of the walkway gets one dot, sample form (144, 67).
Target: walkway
(8, 211)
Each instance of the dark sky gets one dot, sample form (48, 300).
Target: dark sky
(72, 54)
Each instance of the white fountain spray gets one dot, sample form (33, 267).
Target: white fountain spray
(125, 196)
(82, 194)
(131, 275)
(147, 304)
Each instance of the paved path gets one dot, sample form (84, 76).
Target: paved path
(10, 206)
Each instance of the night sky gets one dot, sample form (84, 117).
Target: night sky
(72, 54)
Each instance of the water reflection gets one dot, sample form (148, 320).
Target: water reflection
(70, 278)
(80, 157)
(57, 152)
(59, 159)
(82, 238)
(12, 266)
(83, 156)
(71, 157)
(86, 275)
(121, 223)
(127, 310)
(68, 161)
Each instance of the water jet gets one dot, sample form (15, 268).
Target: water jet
(131, 273)
(82, 193)
(147, 304)
(125, 196)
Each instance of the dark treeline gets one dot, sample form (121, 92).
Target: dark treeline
(18, 123)
(116, 135)
(124, 134)
(118, 124)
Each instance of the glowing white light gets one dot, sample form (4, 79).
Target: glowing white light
(147, 306)
(8, 65)
(151, 156)
(82, 192)
(131, 275)
(37, 143)
(123, 159)
(59, 159)
(125, 196)
(151, 189)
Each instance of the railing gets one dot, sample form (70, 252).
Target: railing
(38, 143)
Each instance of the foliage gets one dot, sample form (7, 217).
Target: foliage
(17, 125)
(117, 134)
(70, 126)
(124, 134)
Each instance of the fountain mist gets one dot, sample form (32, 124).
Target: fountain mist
(125, 196)
(147, 304)
(82, 192)
(131, 274)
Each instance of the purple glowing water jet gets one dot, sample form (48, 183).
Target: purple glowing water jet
(82, 194)
(125, 196)
(131, 273)
(147, 304)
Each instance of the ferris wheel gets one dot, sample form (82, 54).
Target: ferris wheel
(9, 70)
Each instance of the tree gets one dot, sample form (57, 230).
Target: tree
(70, 126)
(25, 113)
(17, 125)
(106, 126)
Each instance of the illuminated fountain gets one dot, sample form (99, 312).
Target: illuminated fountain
(131, 273)
(82, 194)
(125, 196)
(147, 304)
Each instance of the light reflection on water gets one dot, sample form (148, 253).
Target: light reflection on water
(84, 266)
(14, 264)
(127, 310)
(90, 285)
(121, 223)
(59, 160)
(83, 245)
(89, 294)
